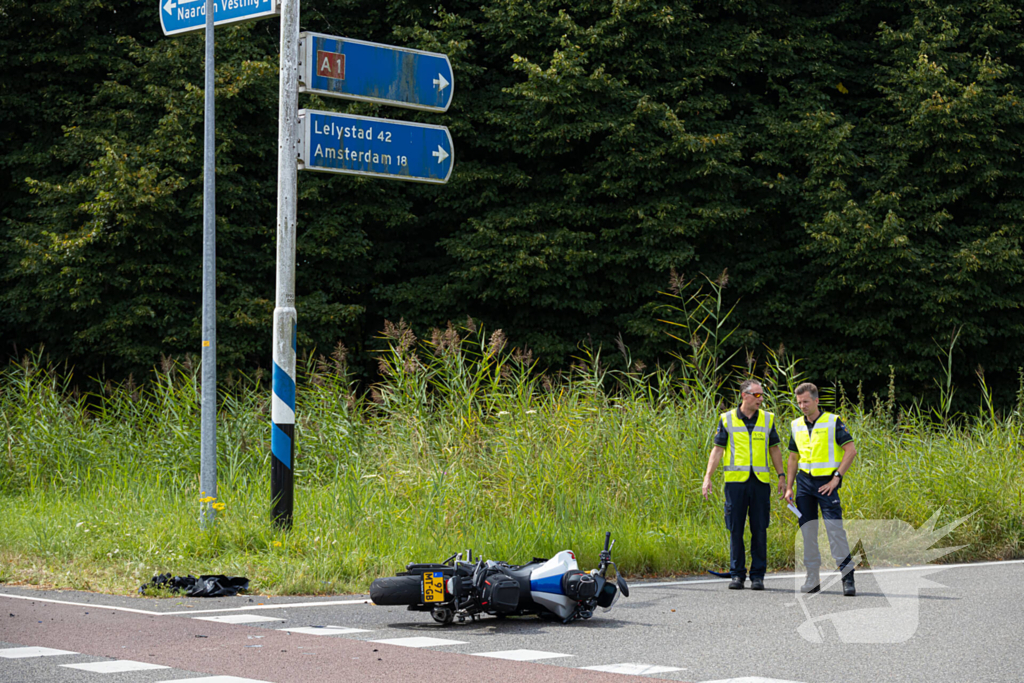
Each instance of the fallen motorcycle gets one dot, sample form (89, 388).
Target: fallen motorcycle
(460, 589)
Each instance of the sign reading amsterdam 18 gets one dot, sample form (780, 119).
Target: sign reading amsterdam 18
(361, 145)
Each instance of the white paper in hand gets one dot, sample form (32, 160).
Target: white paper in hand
(792, 508)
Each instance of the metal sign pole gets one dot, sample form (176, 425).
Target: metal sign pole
(282, 440)
(208, 453)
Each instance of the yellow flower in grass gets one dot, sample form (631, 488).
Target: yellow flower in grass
(218, 506)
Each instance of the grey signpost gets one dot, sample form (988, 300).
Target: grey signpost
(333, 66)
(189, 16)
(208, 417)
(282, 438)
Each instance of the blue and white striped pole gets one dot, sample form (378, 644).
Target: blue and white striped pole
(282, 440)
(282, 414)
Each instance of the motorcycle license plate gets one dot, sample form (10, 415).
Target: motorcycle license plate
(433, 587)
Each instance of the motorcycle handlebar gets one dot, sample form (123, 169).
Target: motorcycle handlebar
(607, 539)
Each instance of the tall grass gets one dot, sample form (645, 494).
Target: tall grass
(463, 444)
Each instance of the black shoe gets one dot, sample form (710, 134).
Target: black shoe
(736, 584)
(757, 584)
(849, 590)
(812, 584)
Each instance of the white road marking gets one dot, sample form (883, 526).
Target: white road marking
(521, 655)
(239, 618)
(419, 641)
(24, 652)
(283, 605)
(78, 604)
(769, 577)
(633, 669)
(114, 666)
(325, 630)
(751, 679)
(215, 679)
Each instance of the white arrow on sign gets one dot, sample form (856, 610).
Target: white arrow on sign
(169, 5)
(440, 153)
(442, 83)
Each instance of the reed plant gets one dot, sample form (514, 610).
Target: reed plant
(463, 443)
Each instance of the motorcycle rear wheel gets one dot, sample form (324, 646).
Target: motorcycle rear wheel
(397, 590)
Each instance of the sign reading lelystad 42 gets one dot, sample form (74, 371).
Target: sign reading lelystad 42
(185, 16)
(361, 145)
(370, 72)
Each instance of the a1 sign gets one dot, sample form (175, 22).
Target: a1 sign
(330, 65)
(370, 72)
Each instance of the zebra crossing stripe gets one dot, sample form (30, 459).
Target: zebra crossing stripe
(26, 652)
(521, 655)
(115, 666)
(324, 630)
(419, 641)
(633, 669)
(239, 618)
(215, 679)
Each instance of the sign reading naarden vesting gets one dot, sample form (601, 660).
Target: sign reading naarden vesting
(370, 72)
(185, 16)
(361, 145)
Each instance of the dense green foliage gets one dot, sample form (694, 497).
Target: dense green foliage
(856, 166)
(461, 446)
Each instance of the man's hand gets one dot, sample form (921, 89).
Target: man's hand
(828, 488)
(788, 495)
(782, 486)
(706, 489)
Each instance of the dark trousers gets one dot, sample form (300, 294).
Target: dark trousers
(808, 500)
(742, 499)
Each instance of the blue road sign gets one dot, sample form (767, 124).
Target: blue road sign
(185, 16)
(370, 72)
(361, 145)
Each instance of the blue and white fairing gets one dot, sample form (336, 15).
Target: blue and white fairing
(546, 584)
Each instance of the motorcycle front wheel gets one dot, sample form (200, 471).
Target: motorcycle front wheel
(442, 615)
(397, 590)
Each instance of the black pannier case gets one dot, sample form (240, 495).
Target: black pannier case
(500, 594)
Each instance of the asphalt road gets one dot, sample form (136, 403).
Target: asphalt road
(938, 624)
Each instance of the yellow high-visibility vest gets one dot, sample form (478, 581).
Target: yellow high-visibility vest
(817, 447)
(747, 448)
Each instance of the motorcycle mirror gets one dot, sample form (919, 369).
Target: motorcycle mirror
(612, 574)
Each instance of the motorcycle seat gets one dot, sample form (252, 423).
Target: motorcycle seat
(416, 568)
(522, 577)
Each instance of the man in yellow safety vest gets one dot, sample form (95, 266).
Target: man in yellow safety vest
(816, 437)
(749, 434)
